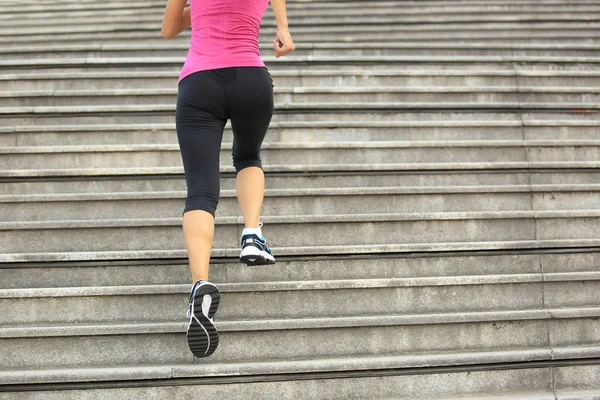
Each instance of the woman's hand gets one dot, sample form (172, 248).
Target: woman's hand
(283, 43)
(176, 18)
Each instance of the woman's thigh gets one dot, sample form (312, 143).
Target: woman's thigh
(250, 108)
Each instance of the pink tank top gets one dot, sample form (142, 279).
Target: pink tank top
(224, 34)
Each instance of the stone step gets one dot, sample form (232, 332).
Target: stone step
(317, 131)
(146, 181)
(154, 9)
(428, 266)
(326, 63)
(515, 384)
(179, 49)
(555, 265)
(304, 251)
(305, 116)
(77, 81)
(289, 232)
(501, 33)
(494, 27)
(48, 25)
(509, 294)
(391, 16)
(337, 63)
(34, 8)
(326, 155)
(11, 102)
(305, 170)
(271, 340)
(168, 204)
(324, 365)
(389, 111)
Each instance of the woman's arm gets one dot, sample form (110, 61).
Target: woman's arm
(176, 18)
(283, 43)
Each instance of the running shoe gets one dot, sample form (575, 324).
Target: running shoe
(202, 335)
(255, 251)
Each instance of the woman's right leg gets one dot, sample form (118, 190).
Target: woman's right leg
(250, 100)
(250, 189)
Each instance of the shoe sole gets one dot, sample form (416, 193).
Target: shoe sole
(203, 338)
(254, 259)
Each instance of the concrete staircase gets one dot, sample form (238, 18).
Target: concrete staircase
(433, 199)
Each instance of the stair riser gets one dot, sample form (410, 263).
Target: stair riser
(457, 36)
(181, 52)
(471, 384)
(342, 134)
(578, 378)
(115, 274)
(276, 345)
(334, 19)
(319, 63)
(145, 183)
(382, 97)
(334, 111)
(345, 25)
(284, 98)
(172, 158)
(332, 80)
(286, 304)
(272, 157)
(307, 134)
(297, 235)
(41, 17)
(311, 181)
(300, 205)
(168, 117)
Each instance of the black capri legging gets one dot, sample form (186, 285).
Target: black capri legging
(205, 101)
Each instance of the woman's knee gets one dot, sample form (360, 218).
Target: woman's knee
(202, 201)
(243, 164)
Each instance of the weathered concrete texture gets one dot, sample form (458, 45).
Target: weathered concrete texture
(441, 131)
(578, 394)
(256, 346)
(143, 305)
(578, 378)
(296, 132)
(165, 234)
(156, 79)
(506, 385)
(113, 274)
(326, 153)
(169, 205)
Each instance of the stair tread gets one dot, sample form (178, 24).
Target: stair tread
(180, 326)
(304, 251)
(108, 373)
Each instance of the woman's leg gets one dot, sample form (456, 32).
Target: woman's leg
(198, 232)
(250, 188)
(250, 100)
(200, 122)
(251, 108)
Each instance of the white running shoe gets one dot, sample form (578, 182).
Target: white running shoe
(202, 335)
(255, 251)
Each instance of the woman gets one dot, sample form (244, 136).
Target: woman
(223, 78)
